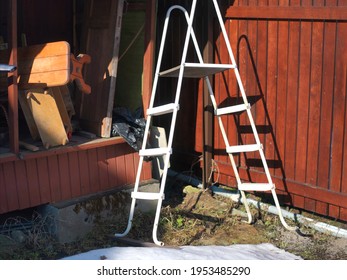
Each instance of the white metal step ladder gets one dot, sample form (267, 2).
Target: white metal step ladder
(197, 70)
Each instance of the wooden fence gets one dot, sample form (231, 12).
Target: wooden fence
(293, 61)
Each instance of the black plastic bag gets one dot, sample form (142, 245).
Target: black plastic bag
(129, 126)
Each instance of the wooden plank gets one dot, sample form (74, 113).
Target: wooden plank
(43, 176)
(22, 184)
(51, 130)
(33, 182)
(334, 211)
(64, 174)
(3, 195)
(148, 58)
(103, 167)
(103, 21)
(343, 214)
(310, 204)
(339, 111)
(54, 178)
(314, 103)
(129, 168)
(58, 94)
(93, 171)
(271, 151)
(282, 80)
(13, 87)
(292, 99)
(321, 208)
(34, 132)
(344, 171)
(120, 161)
(303, 93)
(112, 167)
(326, 105)
(84, 172)
(261, 110)
(45, 65)
(288, 13)
(298, 201)
(74, 174)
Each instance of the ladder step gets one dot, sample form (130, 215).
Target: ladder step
(155, 152)
(147, 195)
(244, 148)
(232, 109)
(256, 187)
(161, 110)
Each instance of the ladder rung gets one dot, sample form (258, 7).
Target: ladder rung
(155, 152)
(147, 195)
(244, 148)
(232, 109)
(161, 110)
(256, 187)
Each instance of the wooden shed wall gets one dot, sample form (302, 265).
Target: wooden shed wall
(293, 61)
(64, 174)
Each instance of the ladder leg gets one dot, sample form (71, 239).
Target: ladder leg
(133, 200)
(130, 219)
(284, 223)
(248, 210)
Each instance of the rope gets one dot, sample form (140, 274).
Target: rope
(132, 42)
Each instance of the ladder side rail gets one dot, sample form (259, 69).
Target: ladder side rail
(255, 133)
(181, 72)
(133, 201)
(156, 75)
(240, 84)
(174, 115)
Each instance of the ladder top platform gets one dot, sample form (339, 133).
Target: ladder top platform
(196, 70)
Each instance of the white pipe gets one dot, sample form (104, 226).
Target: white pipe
(235, 196)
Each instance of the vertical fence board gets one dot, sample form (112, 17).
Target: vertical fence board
(54, 178)
(74, 174)
(3, 196)
(22, 185)
(33, 182)
(43, 176)
(326, 105)
(314, 103)
(84, 172)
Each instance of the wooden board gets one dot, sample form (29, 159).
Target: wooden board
(28, 115)
(58, 94)
(47, 118)
(40, 66)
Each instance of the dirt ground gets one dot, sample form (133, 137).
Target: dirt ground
(191, 217)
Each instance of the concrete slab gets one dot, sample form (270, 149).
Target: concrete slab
(70, 220)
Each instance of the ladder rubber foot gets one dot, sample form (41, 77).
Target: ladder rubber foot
(243, 148)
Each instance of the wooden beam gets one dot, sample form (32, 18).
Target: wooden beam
(288, 13)
(13, 87)
(148, 58)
